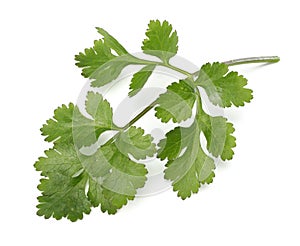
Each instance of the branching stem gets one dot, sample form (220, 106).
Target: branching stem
(261, 59)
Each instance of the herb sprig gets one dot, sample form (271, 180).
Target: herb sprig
(74, 182)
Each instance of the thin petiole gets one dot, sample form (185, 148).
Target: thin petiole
(260, 59)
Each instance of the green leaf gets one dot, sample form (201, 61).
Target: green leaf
(63, 193)
(170, 146)
(62, 159)
(110, 201)
(111, 42)
(190, 169)
(218, 134)
(99, 63)
(68, 123)
(134, 142)
(111, 70)
(63, 196)
(117, 172)
(58, 128)
(222, 87)
(112, 177)
(140, 78)
(93, 58)
(115, 178)
(95, 61)
(99, 109)
(114, 201)
(95, 193)
(177, 103)
(161, 40)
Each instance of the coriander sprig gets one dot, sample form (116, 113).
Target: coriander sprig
(73, 182)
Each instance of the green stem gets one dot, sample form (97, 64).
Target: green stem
(131, 122)
(177, 69)
(140, 115)
(163, 64)
(260, 59)
(248, 60)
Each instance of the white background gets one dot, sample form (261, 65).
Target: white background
(254, 199)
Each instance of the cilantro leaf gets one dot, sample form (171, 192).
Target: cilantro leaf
(170, 146)
(95, 193)
(124, 176)
(177, 103)
(68, 122)
(58, 128)
(99, 109)
(134, 142)
(110, 201)
(63, 194)
(60, 159)
(111, 70)
(161, 40)
(92, 58)
(115, 178)
(218, 134)
(140, 78)
(187, 171)
(223, 88)
(112, 177)
(99, 63)
(114, 201)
